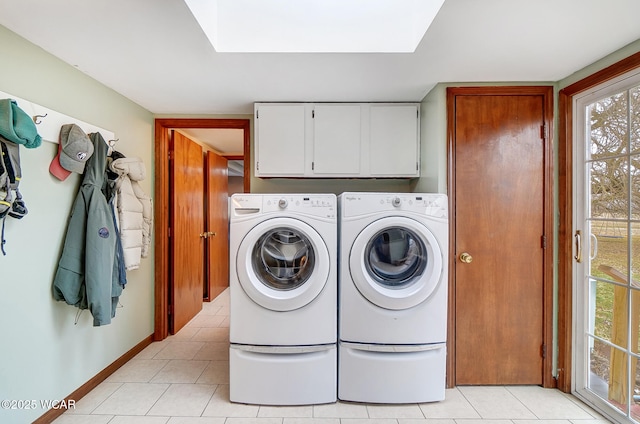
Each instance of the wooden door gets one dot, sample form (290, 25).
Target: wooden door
(187, 227)
(499, 217)
(217, 225)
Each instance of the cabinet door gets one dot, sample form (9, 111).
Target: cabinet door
(280, 140)
(336, 140)
(394, 143)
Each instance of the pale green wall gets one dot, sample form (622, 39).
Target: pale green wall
(43, 354)
(334, 185)
(433, 142)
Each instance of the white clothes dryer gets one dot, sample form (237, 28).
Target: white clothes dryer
(392, 297)
(283, 299)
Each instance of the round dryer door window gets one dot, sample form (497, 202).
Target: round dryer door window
(396, 263)
(283, 264)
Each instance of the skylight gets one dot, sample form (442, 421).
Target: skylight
(315, 26)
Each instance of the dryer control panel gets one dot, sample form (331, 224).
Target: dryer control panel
(428, 204)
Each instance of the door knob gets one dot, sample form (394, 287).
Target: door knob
(466, 258)
(204, 235)
(211, 233)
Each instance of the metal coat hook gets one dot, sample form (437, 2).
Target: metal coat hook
(113, 142)
(35, 118)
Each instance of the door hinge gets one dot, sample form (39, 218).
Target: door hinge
(543, 350)
(257, 166)
(257, 114)
(313, 165)
(170, 155)
(417, 166)
(170, 310)
(543, 131)
(313, 113)
(543, 241)
(169, 232)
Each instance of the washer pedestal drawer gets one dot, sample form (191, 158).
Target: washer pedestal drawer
(288, 375)
(391, 374)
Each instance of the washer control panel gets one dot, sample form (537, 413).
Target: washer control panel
(429, 204)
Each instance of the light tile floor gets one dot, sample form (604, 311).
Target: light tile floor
(184, 379)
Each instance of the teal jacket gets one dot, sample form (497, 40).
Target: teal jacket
(85, 277)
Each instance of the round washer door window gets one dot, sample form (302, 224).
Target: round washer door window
(396, 263)
(282, 264)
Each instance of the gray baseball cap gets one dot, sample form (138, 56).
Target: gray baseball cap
(75, 148)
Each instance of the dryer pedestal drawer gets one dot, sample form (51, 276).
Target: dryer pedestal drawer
(283, 376)
(384, 374)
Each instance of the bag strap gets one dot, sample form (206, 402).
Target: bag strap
(10, 175)
(6, 170)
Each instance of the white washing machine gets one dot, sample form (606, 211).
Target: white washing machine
(392, 297)
(283, 299)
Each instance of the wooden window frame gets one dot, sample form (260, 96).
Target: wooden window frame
(565, 202)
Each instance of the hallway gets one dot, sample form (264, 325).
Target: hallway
(184, 379)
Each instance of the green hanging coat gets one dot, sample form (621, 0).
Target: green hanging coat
(85, 276)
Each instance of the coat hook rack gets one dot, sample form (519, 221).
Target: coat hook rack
(36, 118)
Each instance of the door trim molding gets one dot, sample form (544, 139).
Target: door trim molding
(162, 200)
(565, 209)
(547, 94)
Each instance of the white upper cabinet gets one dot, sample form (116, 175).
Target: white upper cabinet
(337, 140)
(280, 140)
(393, 140)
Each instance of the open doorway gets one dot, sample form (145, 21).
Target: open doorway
(227, 143)
(162, 148)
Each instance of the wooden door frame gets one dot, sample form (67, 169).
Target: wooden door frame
(547, 94)
(162, 200)
(565, 201)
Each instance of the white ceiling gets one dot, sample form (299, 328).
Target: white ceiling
(155, 53)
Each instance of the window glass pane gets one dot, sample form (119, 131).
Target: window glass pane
(599, 354)
(635, 406)
(283, 259)
(609, 253)
(619, 391)
(608, 126)
(635, 323)
(602, 310)
(634, 99)
(608, 229)
(635, 187)
(635, 253)
(610, 188)
(606, 362)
